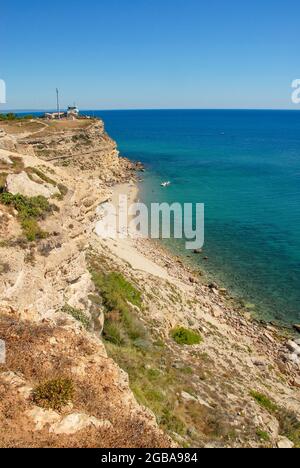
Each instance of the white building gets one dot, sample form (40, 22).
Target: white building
(72, 112)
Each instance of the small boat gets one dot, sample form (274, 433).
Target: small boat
(165, 184)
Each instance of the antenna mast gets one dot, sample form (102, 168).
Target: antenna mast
(57, 101)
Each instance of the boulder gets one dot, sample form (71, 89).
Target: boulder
(297, 327)
(294, 358)
(4, 158)
(284, 443)
(217, 311)
(42, 417)
(77, 422)
(296, 382)
(293, 347)
(21, 183)
(188, 397)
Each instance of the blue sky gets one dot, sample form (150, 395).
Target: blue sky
(118, 54)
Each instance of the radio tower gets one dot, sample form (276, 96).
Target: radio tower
(57, 101)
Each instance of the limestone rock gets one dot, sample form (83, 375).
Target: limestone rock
(296, 382)
(77, 422)
(42, 417)
(5, 158)
(21, 183)
(217, 311)
(297, 327)
(284, 443)
(16, 382)
(188, 397)
(293, 347)
(6, 142)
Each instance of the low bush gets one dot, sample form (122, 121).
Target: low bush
(264, 401)
(53, 394)
(78, 315)
(263, 435)
(183, 336)
(122, 326)
(29, 209)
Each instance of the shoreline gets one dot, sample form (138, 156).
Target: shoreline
(254, 346)
(131, 190)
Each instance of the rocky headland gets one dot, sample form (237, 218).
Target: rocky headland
(115, 342)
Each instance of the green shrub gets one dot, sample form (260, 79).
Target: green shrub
(262, 435)
(289, 425)
(121, 326)
(29, 209)
(34, 207)
(172, 423)
(9, 116)
(264, 401)
(114, 333)
(32, 230)
(54, 394)
(183, 336)
(117, 291)
(78, 315)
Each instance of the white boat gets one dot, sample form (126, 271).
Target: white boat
(165, 184)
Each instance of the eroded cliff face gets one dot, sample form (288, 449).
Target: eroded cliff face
(49, 323)
(83, 144)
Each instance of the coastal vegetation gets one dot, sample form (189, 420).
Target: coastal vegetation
(156, 379)
(11, 116)
(288, 421)
(78, 315)
(53, 394)
(119, 296)
(183, 336)
(30, 210)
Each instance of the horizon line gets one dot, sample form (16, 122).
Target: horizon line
(156, 109)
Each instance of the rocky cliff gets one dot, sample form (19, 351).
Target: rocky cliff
(49, 323)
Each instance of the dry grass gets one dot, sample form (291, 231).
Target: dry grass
(19, 127)
(97, 393)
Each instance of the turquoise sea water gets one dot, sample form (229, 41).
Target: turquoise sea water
(245, 167)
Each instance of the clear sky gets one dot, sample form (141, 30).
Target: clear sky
(127, 54)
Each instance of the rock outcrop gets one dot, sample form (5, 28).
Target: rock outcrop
(22, 184)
